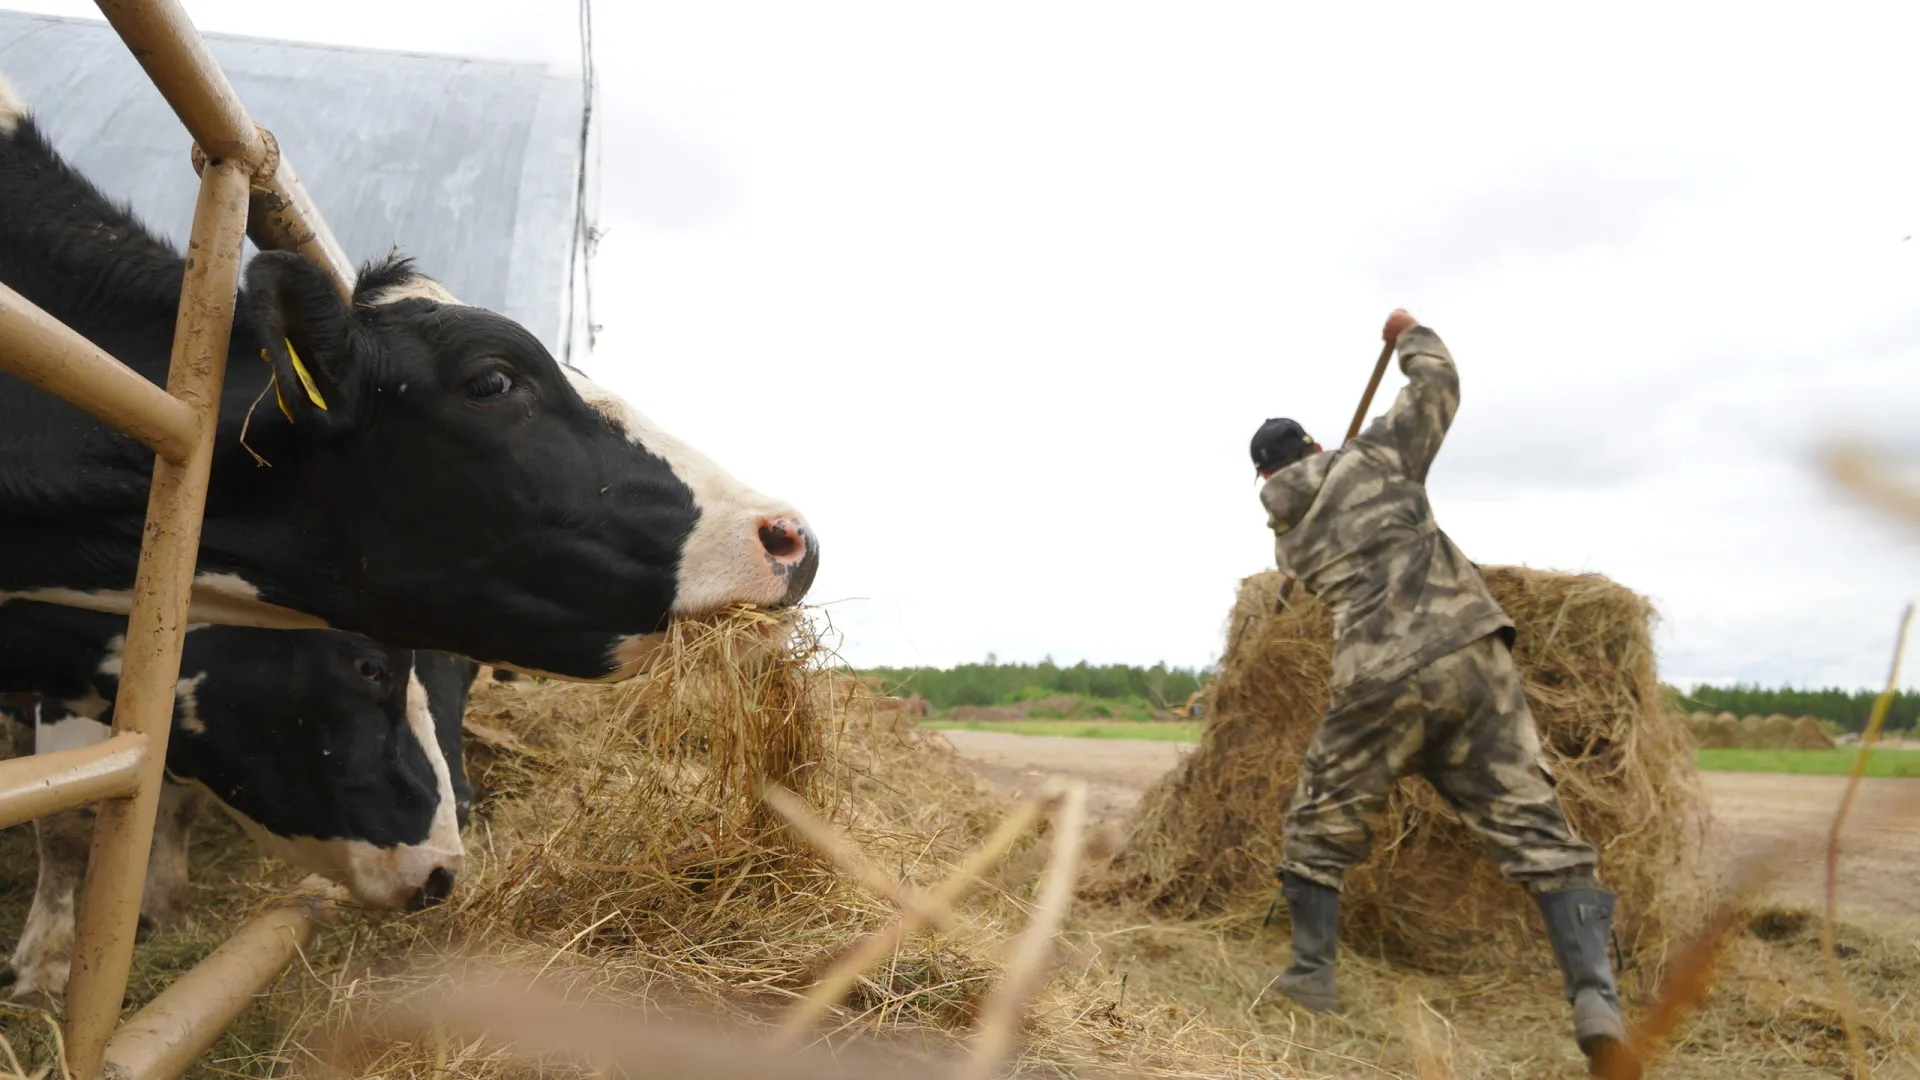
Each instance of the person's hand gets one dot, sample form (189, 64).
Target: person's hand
(1397, 323)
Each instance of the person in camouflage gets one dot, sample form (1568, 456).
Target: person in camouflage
(1423, 682)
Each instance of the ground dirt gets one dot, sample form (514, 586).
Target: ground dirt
(1880, 871)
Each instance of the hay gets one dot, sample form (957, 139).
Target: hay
(1722, 732)
(1810, 734)
(628, 859)
(1208, 836)
(1715, 732)
(623, 861)
(1776, 733)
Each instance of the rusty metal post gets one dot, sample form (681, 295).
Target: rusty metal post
(42, 351)
(123, 828)
(41, 784)
(284, 218)
(164, 40)
(175, 56)
(162, 1040)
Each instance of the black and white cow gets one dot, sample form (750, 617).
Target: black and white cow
(445, 485)
(334, 753)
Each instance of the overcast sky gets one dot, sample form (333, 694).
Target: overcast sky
(997, 292)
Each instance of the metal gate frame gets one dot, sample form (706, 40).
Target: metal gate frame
(245, 186)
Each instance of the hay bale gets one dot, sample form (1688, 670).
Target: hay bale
(1774, 733)
(1208, 836)
(1810, 734)
(1717, 732)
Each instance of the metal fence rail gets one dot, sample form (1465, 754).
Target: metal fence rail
(246, 187)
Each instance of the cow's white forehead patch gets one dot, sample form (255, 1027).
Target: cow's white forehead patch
(414, 288)
(13, 108)
(442, 846)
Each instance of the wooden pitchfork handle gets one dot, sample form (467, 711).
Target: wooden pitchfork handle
(1366, 399)
(1359, 417)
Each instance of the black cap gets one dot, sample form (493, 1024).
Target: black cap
(1279, 443)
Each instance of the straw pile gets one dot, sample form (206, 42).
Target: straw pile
(627, 868)
(634, 861)
(1722, 732)
(1208, 837)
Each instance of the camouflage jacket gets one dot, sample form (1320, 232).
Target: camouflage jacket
(1354, 527)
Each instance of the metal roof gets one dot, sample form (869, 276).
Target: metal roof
(467, 165)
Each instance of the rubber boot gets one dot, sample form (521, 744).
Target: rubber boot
(1315, 910)
(1580, 925)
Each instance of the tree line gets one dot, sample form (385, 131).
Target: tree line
(1847, 708)
(994, 683)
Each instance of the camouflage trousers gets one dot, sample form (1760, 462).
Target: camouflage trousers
(1463, 723)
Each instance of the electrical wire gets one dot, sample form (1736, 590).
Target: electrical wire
(580, 258)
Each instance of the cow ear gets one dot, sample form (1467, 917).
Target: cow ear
(306, 333)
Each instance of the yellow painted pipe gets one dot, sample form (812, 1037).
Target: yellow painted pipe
(41, 784)
(163, 1040)
(42, 351)
(150, 666)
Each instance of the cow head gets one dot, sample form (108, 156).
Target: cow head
(448, 465)
(336, 754)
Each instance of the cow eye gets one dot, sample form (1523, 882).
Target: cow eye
(489, 384)
(370, 669)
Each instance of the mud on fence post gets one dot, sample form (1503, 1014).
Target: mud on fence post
(123, 828)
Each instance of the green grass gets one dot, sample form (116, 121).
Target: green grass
(1838, 762)
(1156, 730)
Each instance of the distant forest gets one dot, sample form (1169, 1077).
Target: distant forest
(994, 683)
(1847, 708)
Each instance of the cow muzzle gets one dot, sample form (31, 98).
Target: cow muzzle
(793, 552)
(438, 886)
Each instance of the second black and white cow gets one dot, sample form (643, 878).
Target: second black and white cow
(438, 480)
(336, 754)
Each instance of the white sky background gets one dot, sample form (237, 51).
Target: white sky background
(997, 292)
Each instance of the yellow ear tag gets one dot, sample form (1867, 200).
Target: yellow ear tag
(306, 380)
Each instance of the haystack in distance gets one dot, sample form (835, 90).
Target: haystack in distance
(1207, 838)
(1724, 731)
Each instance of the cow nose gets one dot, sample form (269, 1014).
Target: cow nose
(792, 548)
(439, 886)
(786, 540)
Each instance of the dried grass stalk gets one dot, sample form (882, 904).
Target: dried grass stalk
(874, 948)
(1829, 925)
(1000, 1018)
(1208, 837)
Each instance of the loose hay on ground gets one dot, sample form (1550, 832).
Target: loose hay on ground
(1133, 999)
(1208, 836)
(624, 860)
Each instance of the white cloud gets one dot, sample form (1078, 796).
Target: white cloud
(998, 292)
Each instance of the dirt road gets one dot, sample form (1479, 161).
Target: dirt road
(1880, 870)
